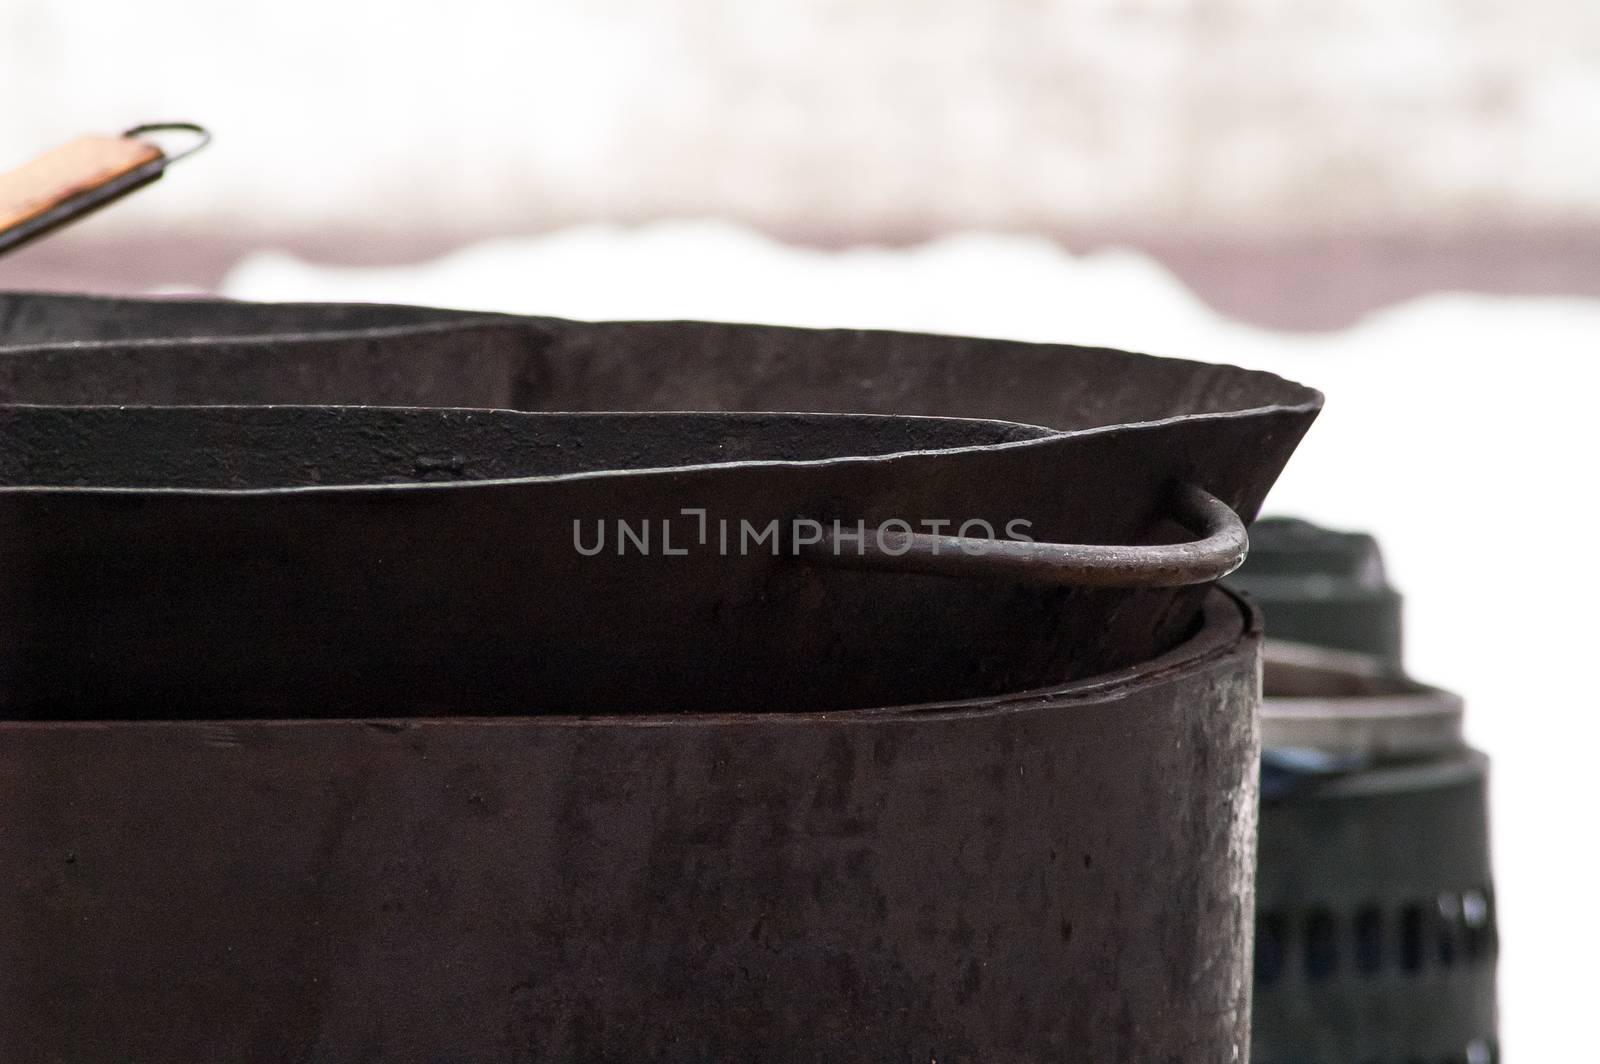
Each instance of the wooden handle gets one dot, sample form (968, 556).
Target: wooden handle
(80, 168)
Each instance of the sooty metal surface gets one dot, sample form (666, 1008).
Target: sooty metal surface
(1058, 875)
(436, 590)
(83, 349)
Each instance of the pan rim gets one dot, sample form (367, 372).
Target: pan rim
(1047, 436)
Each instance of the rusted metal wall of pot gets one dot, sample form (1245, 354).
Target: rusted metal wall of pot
(1062, 875)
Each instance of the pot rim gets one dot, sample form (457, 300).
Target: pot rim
(1229, 625)
(1046, 437)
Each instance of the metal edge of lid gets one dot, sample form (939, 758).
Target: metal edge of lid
(1348, 705)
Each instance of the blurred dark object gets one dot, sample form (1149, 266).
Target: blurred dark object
(1375, 924)
(1322, 587)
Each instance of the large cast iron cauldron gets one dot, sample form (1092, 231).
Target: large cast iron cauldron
(260, 561)
(1055, 875)
(79, 349)
(1187, 418)
(331, 596)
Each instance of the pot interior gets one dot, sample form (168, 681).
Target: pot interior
(237, 448)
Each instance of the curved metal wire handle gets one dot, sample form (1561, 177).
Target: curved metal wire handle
(1219, 551)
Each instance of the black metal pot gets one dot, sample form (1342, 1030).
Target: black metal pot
(620, 867)
(1060, 874)
(333, 561)
(1188, 418)
(322, 593)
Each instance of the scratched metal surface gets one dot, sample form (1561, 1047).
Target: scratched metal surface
(1059, 875)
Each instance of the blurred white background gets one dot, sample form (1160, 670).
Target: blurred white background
(857, 118)
(1296, 162)
(1398, 203)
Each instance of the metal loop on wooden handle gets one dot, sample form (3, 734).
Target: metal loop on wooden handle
(196, 137)
(82, 176)
(1219, 552)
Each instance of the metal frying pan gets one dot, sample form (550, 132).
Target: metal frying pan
(427, 598)
(246, 561)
